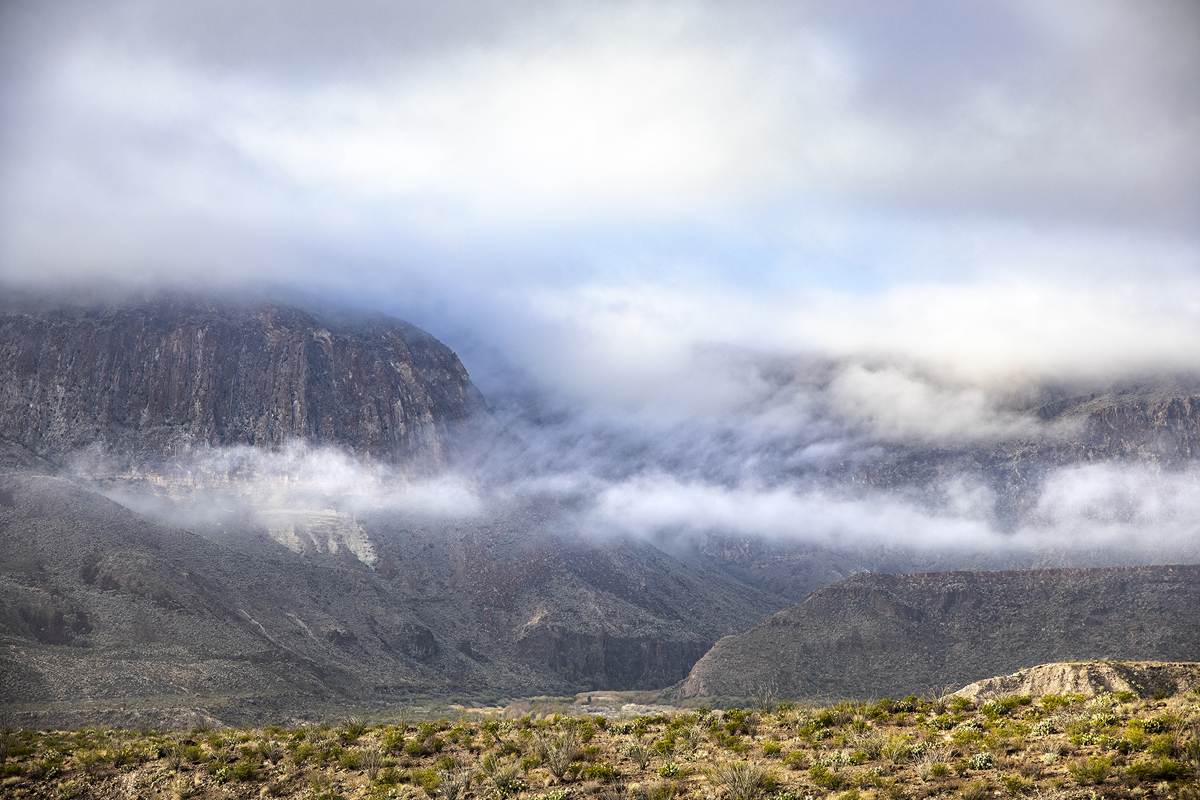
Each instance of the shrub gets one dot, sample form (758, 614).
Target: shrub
(1093, 771)
(600, 771)
(1166, 744)
(821, 776)
(772, 748)
(388, 776)
(1164, 769)
(797, 759)
(1051, 702)
(245, 769)
(977, 790)
(942, 722)
(427, 779)
(896, 749)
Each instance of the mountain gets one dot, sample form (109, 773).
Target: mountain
(102, 608)
(236, 593)
(149, 380)
(125, 552)
(890, 635)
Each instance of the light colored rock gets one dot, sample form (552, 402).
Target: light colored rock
(1089, 678)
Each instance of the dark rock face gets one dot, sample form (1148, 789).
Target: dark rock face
(161, 379)
(878, 635)
(603, 661)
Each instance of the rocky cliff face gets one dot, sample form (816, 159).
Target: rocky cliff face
(165, 378)
(879, 635)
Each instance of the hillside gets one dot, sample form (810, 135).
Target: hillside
(1121, 744)
(101, 608)
(879, 635)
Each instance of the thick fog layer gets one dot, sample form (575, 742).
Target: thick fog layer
(707, 263)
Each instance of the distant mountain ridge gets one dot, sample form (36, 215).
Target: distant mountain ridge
(879, 635)
(171, 376)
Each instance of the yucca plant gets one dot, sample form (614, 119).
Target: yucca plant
(740, 780)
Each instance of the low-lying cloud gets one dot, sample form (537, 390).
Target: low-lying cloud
(710, 266)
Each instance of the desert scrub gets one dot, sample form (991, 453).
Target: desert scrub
(557, 754)
(245, 769)
(772, 748)
(942, 722)
(978, 789)
(1051, 702)
(896, 749)
(1002, 706)
(600, 771)
(638, 754)
(1091, 772)
(823, 777)
(741, 781)
(1163, 769)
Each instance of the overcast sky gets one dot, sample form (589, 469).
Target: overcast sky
(595, 189)
(649, 210)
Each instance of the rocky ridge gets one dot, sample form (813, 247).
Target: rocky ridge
(879, 635)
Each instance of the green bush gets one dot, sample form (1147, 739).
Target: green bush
(977, 790)
(797, 759)
(245, 769)
(388, 776)
(821, 776)
(1163, 769)
(600, 771)
(1093, 771)
(1015, 785)
(772, 748)
(1052, 702)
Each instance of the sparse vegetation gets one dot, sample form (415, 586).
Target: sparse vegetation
(1054, 746)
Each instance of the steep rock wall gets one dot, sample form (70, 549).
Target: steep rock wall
(163, 378)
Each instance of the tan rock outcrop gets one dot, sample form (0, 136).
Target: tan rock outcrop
(1144, 678)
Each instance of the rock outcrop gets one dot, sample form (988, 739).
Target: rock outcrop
(879, 635)
(155, 380)
(1089, 678)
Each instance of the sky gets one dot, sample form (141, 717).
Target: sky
(636, 214)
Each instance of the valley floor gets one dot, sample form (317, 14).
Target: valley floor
(1068, 746)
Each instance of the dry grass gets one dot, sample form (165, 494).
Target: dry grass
(1114, 746)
